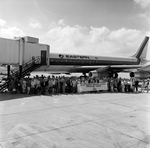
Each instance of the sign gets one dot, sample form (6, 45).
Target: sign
(92, 87)
(73, 56)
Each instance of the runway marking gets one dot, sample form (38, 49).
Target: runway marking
(23, 136)
(112, 136)
(56, 100)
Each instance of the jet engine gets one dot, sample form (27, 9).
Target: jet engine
(95, 73)
(140, 75)
(100, 72)
(103, 72)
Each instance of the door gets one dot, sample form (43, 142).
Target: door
(43, 57)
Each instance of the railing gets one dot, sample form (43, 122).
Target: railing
(26, 68)
(2, 79)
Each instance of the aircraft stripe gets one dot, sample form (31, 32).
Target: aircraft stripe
(90, 62)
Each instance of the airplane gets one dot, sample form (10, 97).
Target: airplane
(99, 66)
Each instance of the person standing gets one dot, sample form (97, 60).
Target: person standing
(16, 85)
(119, 85)
(43, 86)
(136, 85)
(28, 86)
(147, 85)
(74, 85)
(20, 83)
(128, 86)
(143, 86)
(54, 85)
(57, 86)
(33, 85)
(11, 86)
(24, 86)
(63, 85)
(123, 85)
(112, 85)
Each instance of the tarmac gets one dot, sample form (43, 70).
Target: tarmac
(97, 120)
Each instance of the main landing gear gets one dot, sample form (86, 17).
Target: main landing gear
(84, 74)
(113, 75)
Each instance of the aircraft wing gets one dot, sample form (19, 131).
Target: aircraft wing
(124, 68)
(86, 69)
(145, 68)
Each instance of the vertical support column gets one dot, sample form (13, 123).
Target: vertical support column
(20, 56)
(20, 71)
(48, 55)
(8, 71)
(23, 51)
(8, 74)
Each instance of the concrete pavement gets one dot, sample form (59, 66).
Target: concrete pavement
(106, 120)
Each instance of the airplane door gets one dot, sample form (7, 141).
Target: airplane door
(43, 57)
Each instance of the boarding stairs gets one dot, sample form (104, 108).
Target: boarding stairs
(27, 68)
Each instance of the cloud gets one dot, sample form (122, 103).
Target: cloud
(98, 34)
(124, 34)
(35, 24)
(11, 32)
(8, 31)
(77, 39)
(145, 16)
(143, 3)
(93, 41)
(3, 23)
(145, 13)
(148, 33)
(61, 22)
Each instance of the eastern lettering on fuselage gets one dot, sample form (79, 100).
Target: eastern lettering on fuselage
(73, 56)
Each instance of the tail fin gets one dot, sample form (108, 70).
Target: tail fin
(142, 51)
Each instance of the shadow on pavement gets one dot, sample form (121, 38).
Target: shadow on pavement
(8, 96)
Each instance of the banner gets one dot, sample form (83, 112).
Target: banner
(92, 87)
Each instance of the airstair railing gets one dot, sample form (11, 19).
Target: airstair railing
(3, 78)
(26, 68)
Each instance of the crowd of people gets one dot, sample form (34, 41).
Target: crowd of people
(128, 85)
(65, 85)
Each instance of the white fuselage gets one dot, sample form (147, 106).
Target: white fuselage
(67, 62)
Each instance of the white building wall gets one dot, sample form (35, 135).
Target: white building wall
(31, 50)
(9, 51)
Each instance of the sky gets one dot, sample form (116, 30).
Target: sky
(91, 27)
